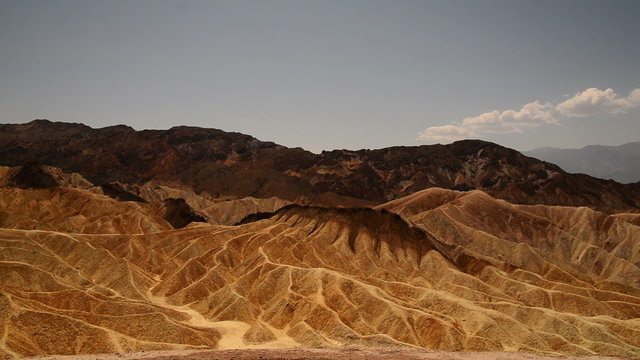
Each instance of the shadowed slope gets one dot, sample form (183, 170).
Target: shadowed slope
(219, 164)
(40, 177)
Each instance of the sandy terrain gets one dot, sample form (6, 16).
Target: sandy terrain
(350, 353)
(83, 273)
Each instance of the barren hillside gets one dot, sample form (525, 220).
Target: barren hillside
(450, 271)
(218, 164)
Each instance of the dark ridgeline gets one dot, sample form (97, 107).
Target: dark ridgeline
(231, 164)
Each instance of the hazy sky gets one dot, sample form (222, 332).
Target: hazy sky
(331, 74)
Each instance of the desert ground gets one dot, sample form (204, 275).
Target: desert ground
(350, 353)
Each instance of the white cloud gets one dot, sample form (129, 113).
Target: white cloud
(588, 102)
(531, 115)
(446, 133)
(594, 101)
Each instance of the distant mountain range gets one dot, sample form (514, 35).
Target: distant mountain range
(620, 163)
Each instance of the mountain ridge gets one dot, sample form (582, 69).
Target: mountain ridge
(620, 163)
(218, 164)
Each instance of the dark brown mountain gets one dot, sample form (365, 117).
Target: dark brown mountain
(220, 164)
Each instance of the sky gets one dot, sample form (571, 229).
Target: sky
(331, 74)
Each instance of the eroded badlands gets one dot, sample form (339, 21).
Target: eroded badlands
(84, 273)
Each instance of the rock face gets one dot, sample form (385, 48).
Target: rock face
(179, 214)
(40, 177)
(217, 164)
(440, 269)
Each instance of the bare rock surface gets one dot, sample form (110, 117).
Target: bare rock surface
(439, 270)
(223, 164)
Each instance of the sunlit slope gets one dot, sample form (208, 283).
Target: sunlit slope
(604, 249)
(464, 272)
(76, 211)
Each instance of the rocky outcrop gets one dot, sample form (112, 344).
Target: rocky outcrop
(217, 164)
(40, 177)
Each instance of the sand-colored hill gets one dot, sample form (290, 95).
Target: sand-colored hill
(225, 211)
(28, 194)
(76, 211)
(633, 218)
(346, 353)
(85, 273)
(578, 240)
